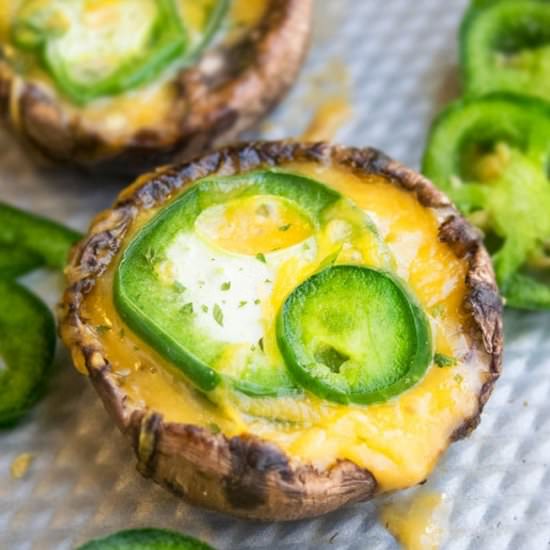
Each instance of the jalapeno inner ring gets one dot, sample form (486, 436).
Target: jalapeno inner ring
(354, 334)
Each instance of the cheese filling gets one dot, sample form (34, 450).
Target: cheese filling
(399, 440)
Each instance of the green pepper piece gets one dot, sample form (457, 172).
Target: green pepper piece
(17, 261)
(27, 345)
(505, 46)
(353, 334)
(36, 235)
(490, 155)
(146, 539)
(95, 50)
(164, 317)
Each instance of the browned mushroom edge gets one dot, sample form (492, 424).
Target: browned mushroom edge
(224, 94)
(245, 475)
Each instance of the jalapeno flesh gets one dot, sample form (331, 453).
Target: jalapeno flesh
(491, 156)
(34, 236)
(505, 46)
(17, 261)
(146, 539)
(352, 334)
(27, 345)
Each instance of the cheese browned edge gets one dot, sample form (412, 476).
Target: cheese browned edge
(225, 93)
(245, 475)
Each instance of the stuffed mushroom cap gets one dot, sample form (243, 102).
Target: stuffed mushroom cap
(283, 328)
(124, 86)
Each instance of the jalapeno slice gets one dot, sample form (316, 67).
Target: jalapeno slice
(352, 334)
(491, 156)
(146, 539)
(197, 284)
(30, 236)
(17, 261)
(27, 345)
(505, 46)
(95, 49)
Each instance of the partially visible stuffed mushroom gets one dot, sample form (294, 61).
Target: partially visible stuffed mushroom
(284, 328)
(126, 85)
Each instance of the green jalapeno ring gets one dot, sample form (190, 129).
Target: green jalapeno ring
(353, 334)
(35, 236)
(15, 262)
(510, 197)
(145, 539)
(505, 46)
(27, 345)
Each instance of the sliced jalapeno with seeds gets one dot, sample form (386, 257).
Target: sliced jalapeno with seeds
(491, 156)
(506, 47)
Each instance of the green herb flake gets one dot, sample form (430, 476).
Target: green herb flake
(150, 256)
(218, 314)
(261, 344)
(257, 301)
(214, 428)
(204, 308)
(329, 260)
(285, 227)
(458, 378)
(187, 309)
(261, 257)
(438, 310)
(444, 361)
(226, 286)
(102, 329)
(243, 303)
(178, 287)
(263, 210)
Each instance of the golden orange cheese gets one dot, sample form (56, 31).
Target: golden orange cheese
(400, 440)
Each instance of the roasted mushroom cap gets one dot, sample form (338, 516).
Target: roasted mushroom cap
(236, 81)
(344, 453)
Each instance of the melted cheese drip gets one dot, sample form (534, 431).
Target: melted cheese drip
(331, 115)
(151, 107)
(415, 522)
(398, 441)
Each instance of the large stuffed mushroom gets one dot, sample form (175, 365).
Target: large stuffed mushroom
(284, 328)
(127, 85)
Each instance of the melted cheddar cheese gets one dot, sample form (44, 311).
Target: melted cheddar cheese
(400, 440)
(417, 523)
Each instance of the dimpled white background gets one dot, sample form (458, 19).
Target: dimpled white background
(400, 58)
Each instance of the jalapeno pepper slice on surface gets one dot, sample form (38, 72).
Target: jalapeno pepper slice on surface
(146, 539)
(505, 46)
(27, 345)
(97, 49)
(17, 261)
(34, 235)
(491, 155)
(352, 334)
